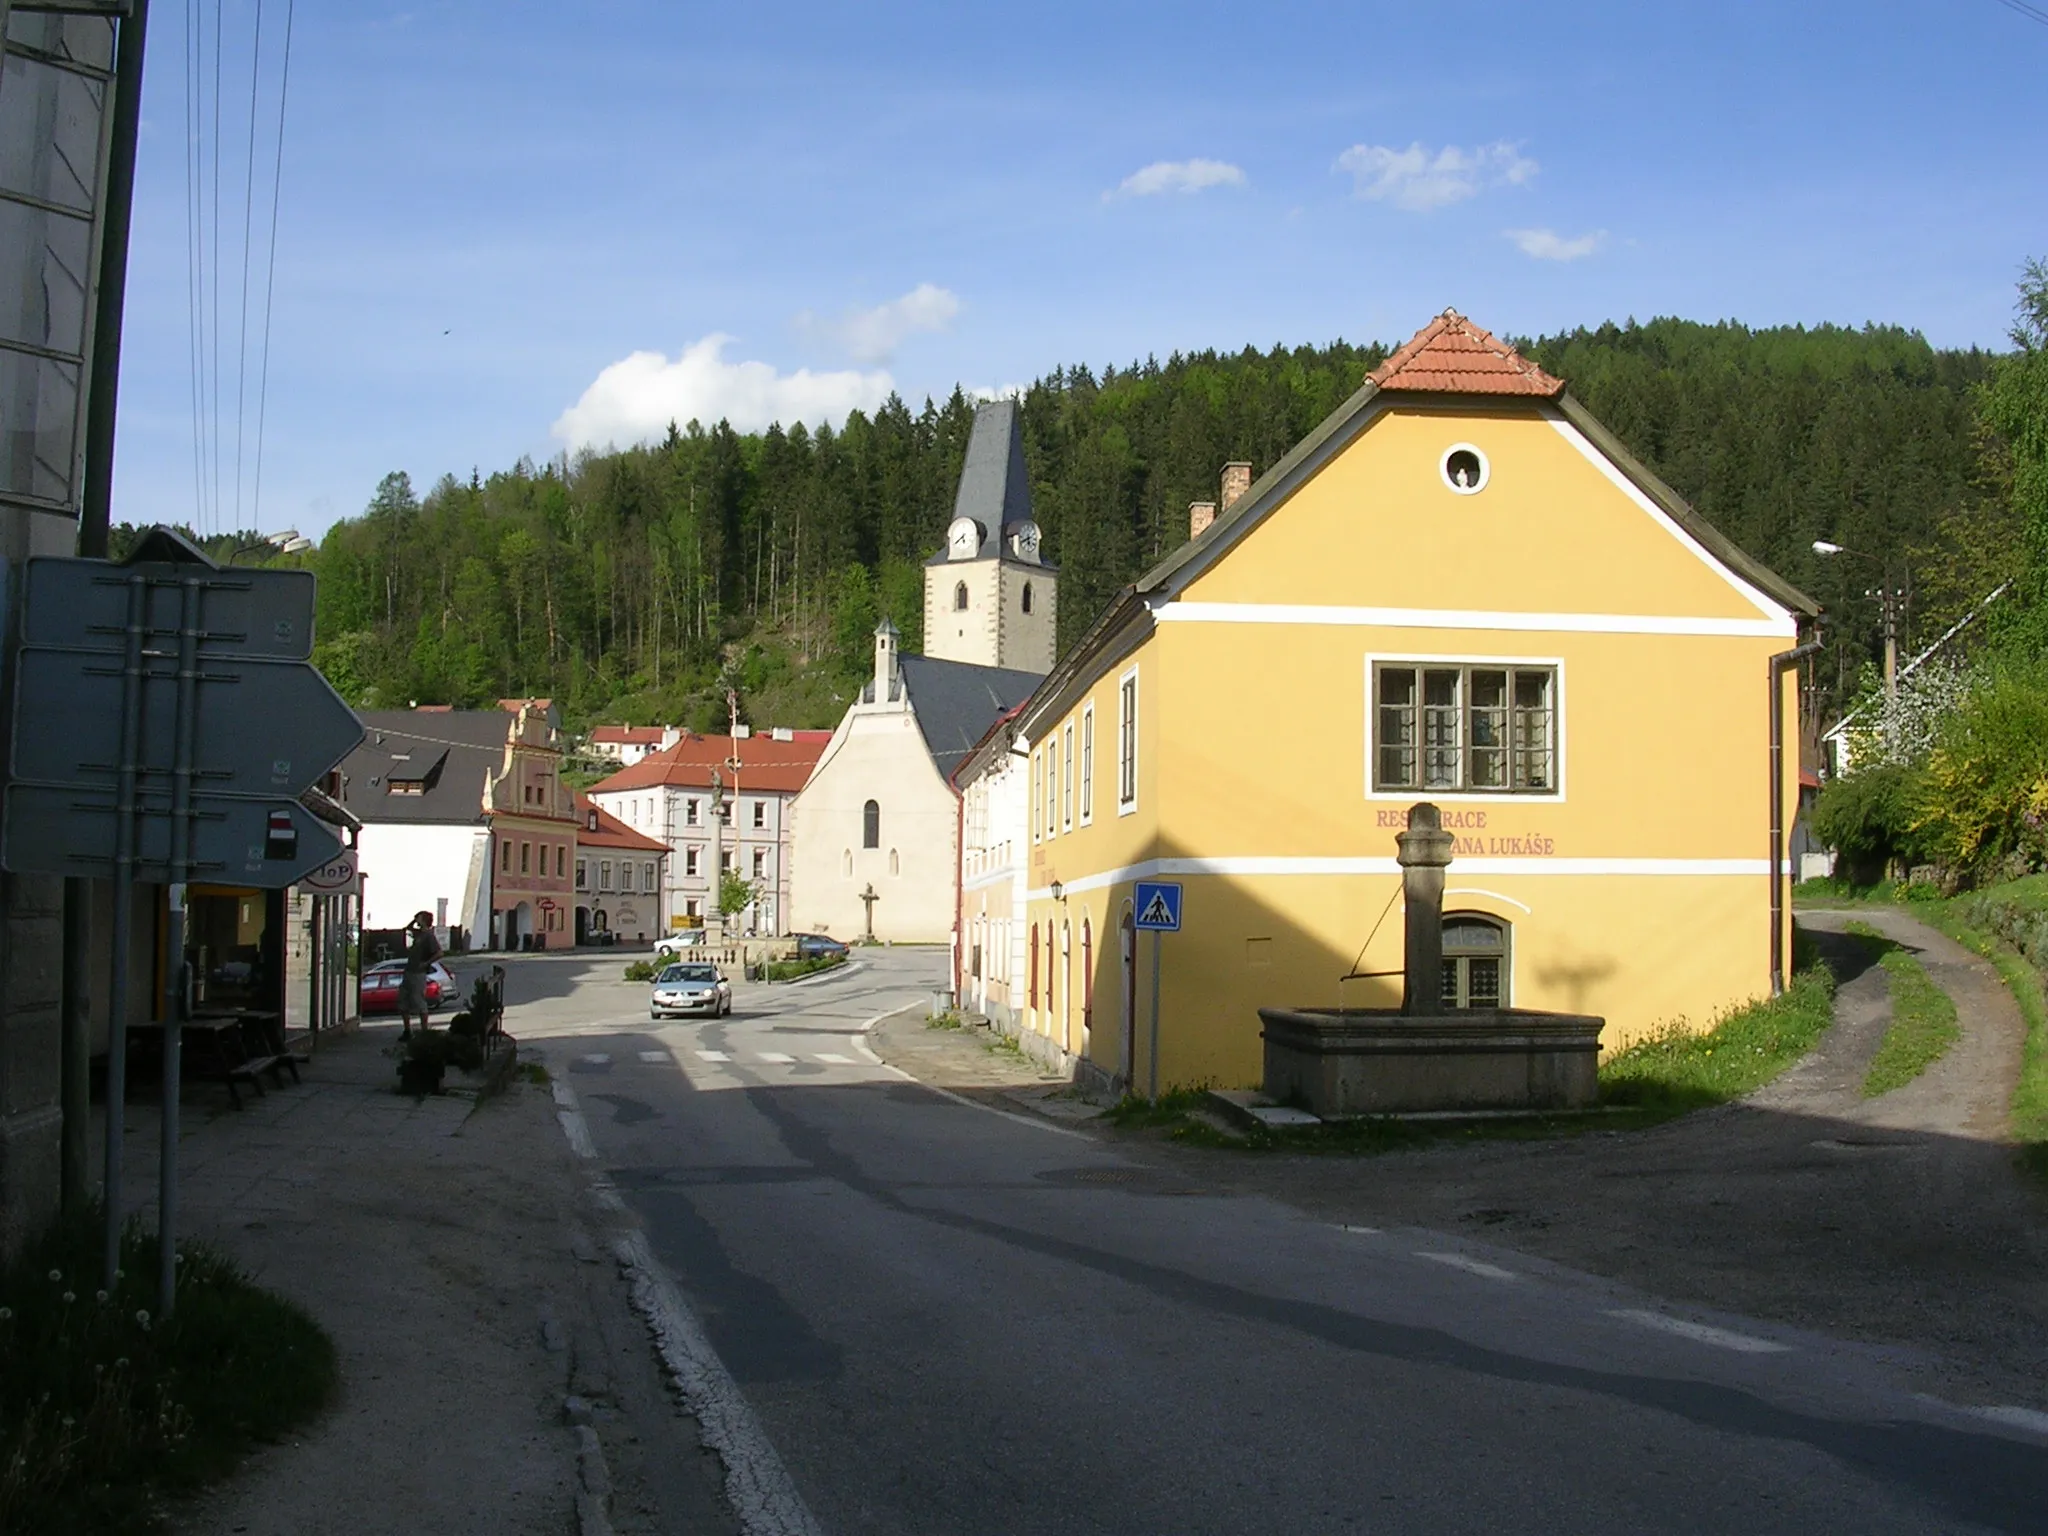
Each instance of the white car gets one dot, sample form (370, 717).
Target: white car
(693, 987)
(673, 946)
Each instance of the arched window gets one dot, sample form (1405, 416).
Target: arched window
(871, 825)
(960, 597)
(1475, 961)
(895, 864)
(1027, 597)
(846, 863)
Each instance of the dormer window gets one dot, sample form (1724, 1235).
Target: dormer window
(590, 822)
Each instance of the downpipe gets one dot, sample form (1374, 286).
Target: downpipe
(1780, 664)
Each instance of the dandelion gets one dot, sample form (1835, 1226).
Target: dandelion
(142, 1316)
(56, 1275)
(6, 1313)
(70, 1297)
(121, 1364)
(99, 1296)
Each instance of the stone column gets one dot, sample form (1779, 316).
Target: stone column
(1425, 852)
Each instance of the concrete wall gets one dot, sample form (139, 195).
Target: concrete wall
(972, 634)
(1028, 641)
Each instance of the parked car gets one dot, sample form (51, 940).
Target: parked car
(380, 987)
(696, 987)
(817, 946)
(671, 946)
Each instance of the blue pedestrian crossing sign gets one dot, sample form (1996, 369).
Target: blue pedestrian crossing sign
(1158, 904)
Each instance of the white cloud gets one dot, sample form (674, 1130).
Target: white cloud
(1419, 177)
(636, 398)
(1549, 245)
(1163, 176)
(873, 335)
(996, 391)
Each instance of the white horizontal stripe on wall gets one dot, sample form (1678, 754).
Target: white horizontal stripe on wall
(1463, 618)
(1252, 864)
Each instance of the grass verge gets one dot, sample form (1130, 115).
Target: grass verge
(1923, 1024)
(106, 1410)
(1680, 1070)
(790, 970)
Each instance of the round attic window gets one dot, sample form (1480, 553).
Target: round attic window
(1465, 469)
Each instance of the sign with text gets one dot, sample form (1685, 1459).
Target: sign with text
(1158, 906)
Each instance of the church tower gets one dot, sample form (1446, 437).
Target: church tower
(989, 599)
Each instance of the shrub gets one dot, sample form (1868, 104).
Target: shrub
(1983, 797)
(1869, 819)
(640, 970)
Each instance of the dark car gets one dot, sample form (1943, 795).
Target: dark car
(817, 946)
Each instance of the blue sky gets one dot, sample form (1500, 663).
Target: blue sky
(512, 228)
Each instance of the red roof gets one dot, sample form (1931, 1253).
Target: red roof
(765, 763)
(610, 832)
(628, 735)
(1451, 355)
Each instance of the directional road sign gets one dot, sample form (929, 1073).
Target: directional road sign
(258, 728)
(1158, 906)
(84, 604)
(59, 830)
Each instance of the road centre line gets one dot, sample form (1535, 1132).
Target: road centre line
(1361, 1231)
(776, 1058)
(597, 1059)
(837, 1061)
(713, 1056)
(1701, 1333)
(2030, 1419)
(656, 1058)
(1470, 1266)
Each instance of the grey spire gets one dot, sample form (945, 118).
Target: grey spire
(994, 489)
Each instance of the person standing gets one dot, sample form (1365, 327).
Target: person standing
(422, 949)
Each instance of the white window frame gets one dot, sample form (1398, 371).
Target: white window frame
(1554, 796)
(1127, 706)
(647, 877)
(1052, 787)
(1031, 789)
(582, 874)
(1067, 777)
(690, 860)
(1088, 763)
(604, 874)
(690, 813)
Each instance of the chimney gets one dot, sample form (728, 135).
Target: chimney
(1200, 515)
(1237, 479)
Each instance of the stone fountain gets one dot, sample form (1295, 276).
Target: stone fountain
(1424, 1056)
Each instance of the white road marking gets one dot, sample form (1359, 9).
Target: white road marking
(867, 1053)
(837, 1061)
(2015, 1418)
(1470, 1266)
(598, 1059)
(757, 1485)
(713, 1056)
(1362, 1231)
(570, 1114)
(1700, 1333)
(656, 1058)
(778, 1058)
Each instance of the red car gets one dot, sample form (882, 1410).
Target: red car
(380, 987)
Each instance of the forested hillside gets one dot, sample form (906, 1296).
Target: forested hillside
(620, 583)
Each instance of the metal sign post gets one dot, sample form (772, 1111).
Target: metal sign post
(166, 722)
(1157, 912)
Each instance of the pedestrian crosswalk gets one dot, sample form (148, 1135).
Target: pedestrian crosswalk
(758, 1058)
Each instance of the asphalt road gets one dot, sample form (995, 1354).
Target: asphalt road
(949, 1320)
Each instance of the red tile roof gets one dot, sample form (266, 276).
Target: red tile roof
(765, 763)
(628, 735)
(610, 832)
(1451, 355)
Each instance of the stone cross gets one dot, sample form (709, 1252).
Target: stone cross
(869, 898)
(1425, 852)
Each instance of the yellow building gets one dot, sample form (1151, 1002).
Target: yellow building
(1461, 589)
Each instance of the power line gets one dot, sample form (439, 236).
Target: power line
(284, 86)
(2031, 12)
(248, 219)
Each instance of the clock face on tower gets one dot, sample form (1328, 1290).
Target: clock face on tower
(1026, 539)
(963, 539)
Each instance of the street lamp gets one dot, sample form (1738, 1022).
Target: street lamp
(285, 542)
(1890, 600)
